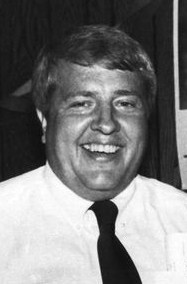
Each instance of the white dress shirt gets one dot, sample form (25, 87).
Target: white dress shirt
(48, 235)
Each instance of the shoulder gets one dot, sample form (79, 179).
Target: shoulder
(157, 187)
(161, 196)
(160, 192)
(17, 190)
(24, 180)
(17, 197)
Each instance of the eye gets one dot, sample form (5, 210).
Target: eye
(125, 104)
(128, 104)
(81, 104)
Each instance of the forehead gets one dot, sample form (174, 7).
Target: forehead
(75, 77)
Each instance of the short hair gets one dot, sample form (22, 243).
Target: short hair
(88, 45)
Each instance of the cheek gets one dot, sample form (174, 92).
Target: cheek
(140, 132)
(68, 130)
(76, 125)
(135, 128)
(57, 131)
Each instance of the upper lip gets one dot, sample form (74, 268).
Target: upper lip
(111, 142)
(103, 144)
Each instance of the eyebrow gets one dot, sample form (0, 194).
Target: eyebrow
(91, 94)
(126, 93)
(70, 95)
(119, 92)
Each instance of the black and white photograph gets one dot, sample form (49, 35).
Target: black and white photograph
(93, 142)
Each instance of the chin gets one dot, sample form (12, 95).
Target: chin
(102, 185)
(98, 194)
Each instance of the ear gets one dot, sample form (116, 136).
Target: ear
(43, 124)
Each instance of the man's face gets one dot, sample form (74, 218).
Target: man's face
(96, 129)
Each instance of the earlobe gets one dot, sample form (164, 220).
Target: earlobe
(43, 124)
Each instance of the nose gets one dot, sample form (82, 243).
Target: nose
(104, 121)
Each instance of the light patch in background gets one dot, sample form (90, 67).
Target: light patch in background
(180, 109)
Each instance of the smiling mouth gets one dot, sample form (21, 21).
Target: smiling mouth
(101, 149)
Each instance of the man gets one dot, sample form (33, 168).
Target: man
(94, 92)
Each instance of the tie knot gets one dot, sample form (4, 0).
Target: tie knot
(106, 212)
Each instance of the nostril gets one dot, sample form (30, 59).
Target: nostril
(106, 126)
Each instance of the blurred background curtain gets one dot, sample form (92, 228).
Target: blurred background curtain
(27, 25)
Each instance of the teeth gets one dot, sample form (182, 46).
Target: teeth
(101, 148)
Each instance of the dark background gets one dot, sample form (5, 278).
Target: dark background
(25, 25)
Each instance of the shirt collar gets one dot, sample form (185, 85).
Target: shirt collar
(76, 206)
(73, 205)
(123, 199)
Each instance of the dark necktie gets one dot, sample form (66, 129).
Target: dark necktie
(116, 265)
